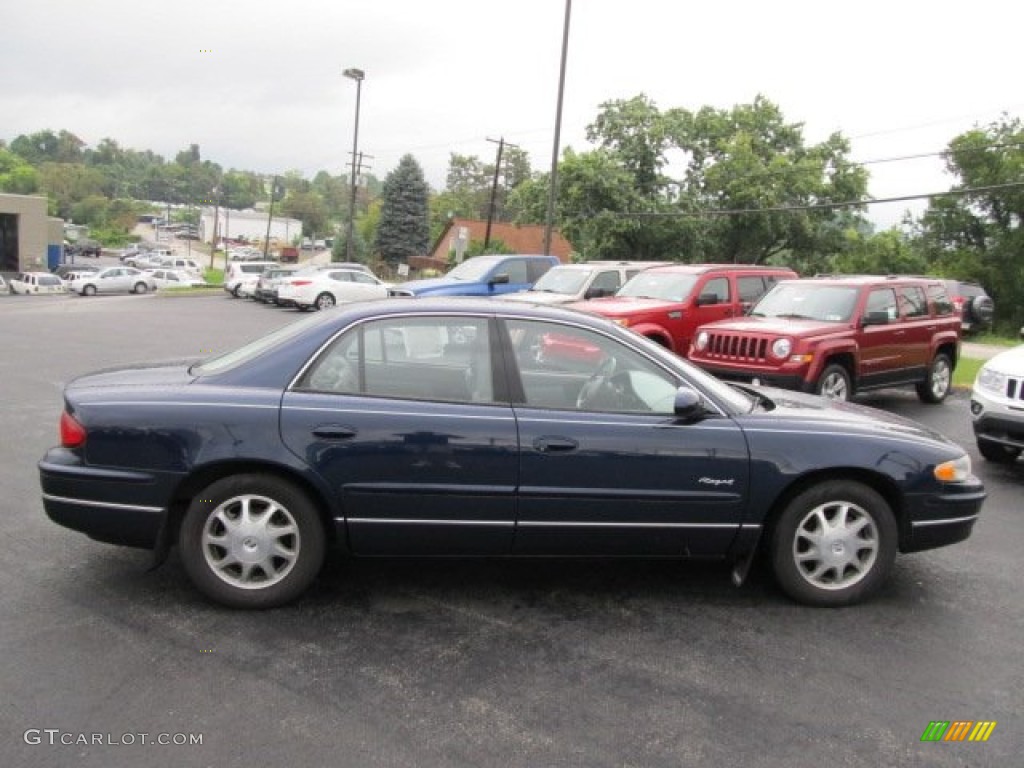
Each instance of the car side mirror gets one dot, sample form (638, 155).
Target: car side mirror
(595, 293)
(881, 317)
(688, 406)
(707, 298)
(499, 279)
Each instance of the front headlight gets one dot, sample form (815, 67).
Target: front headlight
(990, 380)
(702, 341)
(954, 471)
(623, 321)
(782, 347)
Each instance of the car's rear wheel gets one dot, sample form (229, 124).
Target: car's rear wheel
(834, 383)
(937, 382)
(834, 544)
(89, 290)
(325, 301)
(251, 541)
(998, 454)
(140, 287)
(235, 292)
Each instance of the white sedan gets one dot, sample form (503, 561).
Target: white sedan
(175, 278)
(329, 287)
(113, 280)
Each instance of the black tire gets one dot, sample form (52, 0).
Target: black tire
(270, 563)
(834, 383)
(325, 301)
(140, 287)
(235, 293)
(997, 453)
(938, 381)
(859, 546)
(88, 290)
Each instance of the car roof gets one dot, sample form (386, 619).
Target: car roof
(871, 279)
(699, 269)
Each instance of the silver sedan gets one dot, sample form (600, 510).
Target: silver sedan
(113, 280)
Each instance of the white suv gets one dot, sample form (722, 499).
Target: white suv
(997, 407)
(567, 283)
(242, 276)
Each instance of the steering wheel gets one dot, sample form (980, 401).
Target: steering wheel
(596, 382)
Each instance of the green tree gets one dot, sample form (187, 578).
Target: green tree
(976, 232)
(404, 226)
(16, 175)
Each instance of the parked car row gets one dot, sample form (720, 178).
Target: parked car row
(309, 287)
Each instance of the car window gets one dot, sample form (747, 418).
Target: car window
(717, 287)
(570, 368)
(536, 268)
(940, 299)
(516, 269)
(750, 287)
(912, 301)
(435, 358)
(607, 281)
(883, 300)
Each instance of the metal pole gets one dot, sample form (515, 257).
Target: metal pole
(558, 132)
(494, 193)
(357, 75)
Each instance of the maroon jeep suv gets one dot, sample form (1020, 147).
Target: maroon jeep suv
(836, 336)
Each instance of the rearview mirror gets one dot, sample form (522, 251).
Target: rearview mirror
(881, 317)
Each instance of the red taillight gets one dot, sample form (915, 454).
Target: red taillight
(72, 434)
(301, 282)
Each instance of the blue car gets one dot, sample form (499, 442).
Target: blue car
(482, 276)
(434, 428)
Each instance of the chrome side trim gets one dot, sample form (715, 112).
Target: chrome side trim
(102, 504)
(422, 521)
(946, 521)
(188, 404)
(575, 524)
(417, 414)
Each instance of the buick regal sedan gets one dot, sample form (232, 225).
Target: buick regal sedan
(433, 428)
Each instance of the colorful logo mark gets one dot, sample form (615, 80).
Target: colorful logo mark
(958, 730)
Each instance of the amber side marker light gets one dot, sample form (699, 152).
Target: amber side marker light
(72, 434)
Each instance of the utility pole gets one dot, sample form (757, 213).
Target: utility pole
(494, 188)
(270, 217)
(553, 188)
(358, 75)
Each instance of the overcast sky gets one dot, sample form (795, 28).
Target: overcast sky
(259, 86)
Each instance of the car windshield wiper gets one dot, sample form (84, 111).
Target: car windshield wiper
(794, 316)
(758, 397)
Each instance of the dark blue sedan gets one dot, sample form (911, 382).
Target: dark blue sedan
(470, 428)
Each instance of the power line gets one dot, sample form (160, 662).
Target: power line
(814, 206)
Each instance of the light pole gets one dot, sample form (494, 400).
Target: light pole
(358, 75)
(553, 184)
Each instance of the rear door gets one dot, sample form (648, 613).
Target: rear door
(402, 418)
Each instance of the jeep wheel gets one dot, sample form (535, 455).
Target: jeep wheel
(997, 453)
(937, 382)
(834, 383)
(834, 544)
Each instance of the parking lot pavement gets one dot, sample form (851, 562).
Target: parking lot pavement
(465, 663)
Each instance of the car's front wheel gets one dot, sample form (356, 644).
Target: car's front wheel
(325, 301)
(89, 290)
(834, 544)
(250, 541)
(937, 382)
(140, 287)
(997, 453)
(834, 383)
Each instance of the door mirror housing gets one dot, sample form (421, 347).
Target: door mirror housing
(688, 406)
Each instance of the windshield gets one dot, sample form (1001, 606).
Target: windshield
(473, 270)
(565, 280)
(803, 300)
(667, 286)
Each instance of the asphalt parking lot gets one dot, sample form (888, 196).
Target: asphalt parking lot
(466, 663)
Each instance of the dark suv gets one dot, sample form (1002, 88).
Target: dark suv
(836, 336)
(973, 304)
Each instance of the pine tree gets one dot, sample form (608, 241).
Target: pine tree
(404, 225)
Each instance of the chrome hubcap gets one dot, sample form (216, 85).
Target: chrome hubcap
(250, 542)
(836, 545)
(834, 387)
(940, 379)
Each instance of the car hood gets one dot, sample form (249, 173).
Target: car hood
(538, 297)
(428, 284)
(621, 306)
(1010, 362)
(798, 408)
(778, 326)
(164, 374)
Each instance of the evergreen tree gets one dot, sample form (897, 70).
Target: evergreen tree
(404, 222)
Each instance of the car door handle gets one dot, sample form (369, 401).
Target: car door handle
(335, 432)
(555, 444)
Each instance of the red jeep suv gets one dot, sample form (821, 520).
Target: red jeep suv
(836, 336)
(667, 304)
